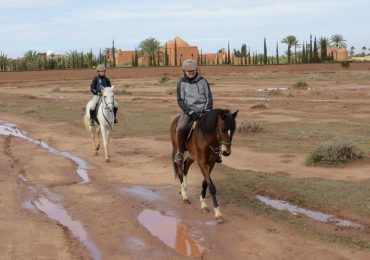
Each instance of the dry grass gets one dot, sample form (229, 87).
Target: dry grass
(259, 106)
(250, 127)
(333, 154)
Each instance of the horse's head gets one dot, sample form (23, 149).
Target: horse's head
(225, 130)
(108, 98)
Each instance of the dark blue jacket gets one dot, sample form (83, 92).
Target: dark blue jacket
(99, 82)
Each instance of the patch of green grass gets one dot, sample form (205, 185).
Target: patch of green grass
(333, 154)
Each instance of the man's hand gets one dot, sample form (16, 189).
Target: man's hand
(194, 116)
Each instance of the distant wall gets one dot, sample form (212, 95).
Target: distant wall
(88, 74)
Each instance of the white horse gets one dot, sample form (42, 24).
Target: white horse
(105, 117)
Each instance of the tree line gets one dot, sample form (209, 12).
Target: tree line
(152, 54)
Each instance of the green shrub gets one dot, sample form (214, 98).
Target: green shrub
(259, 106)
(164, 79)
(300, 84)
(333, 154)
(250, 127)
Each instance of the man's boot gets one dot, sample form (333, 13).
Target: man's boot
(92, 117)
(115, 114)
(179, 156)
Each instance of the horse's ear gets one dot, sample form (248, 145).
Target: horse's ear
(102, 88)
(235, 114)
(112, 87)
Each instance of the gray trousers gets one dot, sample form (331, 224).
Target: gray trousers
(183, 123)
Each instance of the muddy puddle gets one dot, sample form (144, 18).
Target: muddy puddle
(60, 215)
(316, 215)
(46, 201)
(171, 232)
(82, 166)
(142, 192)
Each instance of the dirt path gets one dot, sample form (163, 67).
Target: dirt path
(108, 207)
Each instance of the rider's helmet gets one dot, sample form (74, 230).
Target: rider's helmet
(189, 64)
(100, 67)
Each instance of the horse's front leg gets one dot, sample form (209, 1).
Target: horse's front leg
(203, 204)
(105, 137)
(183, 182)
(206, 170)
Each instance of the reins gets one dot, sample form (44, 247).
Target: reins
(105, 108)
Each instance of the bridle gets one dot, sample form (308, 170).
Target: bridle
(217, 149)
(105, 107)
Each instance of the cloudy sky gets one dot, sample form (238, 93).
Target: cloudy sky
(63, 25)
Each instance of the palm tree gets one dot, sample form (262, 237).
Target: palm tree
(150, 46)
(364, 51)
(291, 40)
(352, 51)
(337, 40)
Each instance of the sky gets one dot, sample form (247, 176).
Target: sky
(65, 25)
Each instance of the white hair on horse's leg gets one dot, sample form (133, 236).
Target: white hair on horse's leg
(185, 182)
(217, 212)
(203, 203)
(183, 192)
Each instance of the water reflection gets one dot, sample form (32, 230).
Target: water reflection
(170, 232)
(57, 213)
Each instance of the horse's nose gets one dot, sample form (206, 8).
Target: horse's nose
(226, 150)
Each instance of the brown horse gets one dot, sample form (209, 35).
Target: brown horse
(212, 134)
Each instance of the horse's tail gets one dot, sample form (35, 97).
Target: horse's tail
(175, 170)
(173, 140)
(86, 123)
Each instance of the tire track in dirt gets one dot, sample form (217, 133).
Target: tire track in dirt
(74, 246)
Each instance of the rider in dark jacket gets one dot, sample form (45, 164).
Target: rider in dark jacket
(97, 83)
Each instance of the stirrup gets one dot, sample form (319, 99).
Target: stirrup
(179, 157)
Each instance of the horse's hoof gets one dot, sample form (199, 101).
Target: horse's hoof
(107, 160)
(186, 201)
(219, 219)
(96, 153)
(205, 210)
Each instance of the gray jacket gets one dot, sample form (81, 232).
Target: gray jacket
(194, 95)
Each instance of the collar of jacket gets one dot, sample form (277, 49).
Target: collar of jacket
(192, 80)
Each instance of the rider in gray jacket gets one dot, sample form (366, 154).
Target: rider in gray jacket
(194, 97)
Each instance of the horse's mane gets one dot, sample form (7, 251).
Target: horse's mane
(208, 122)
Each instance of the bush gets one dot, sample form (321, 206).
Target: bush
(164, 79)
(275, 92)
(345, 63)
(259, 106)
(333, 154)
(250, 127)
(300, 84)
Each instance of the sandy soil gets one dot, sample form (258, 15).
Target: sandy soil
(139, 177)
